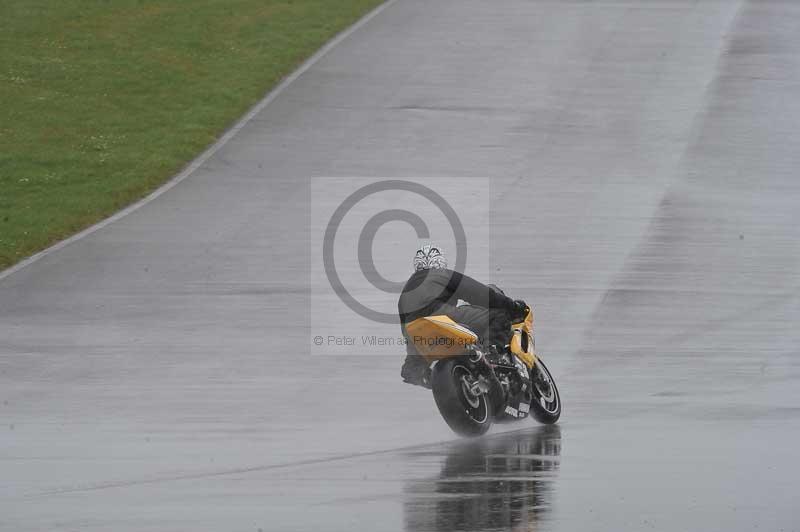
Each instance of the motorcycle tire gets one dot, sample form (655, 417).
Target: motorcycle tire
(465, 413)
(546, 402)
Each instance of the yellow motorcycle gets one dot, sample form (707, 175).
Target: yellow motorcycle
(475, 385)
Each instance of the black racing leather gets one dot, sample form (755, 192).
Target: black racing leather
(428, 292)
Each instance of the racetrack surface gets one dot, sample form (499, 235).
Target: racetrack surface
(156, 375)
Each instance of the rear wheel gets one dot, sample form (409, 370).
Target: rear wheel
(546, 403)
(466, 409)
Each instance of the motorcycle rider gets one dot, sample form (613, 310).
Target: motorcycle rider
(433, 289)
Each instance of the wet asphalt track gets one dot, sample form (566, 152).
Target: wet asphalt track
(155, 374)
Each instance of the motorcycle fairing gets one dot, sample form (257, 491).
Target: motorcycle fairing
(437, 337)
(522, 340)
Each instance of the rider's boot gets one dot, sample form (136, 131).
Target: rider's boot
(416, 370)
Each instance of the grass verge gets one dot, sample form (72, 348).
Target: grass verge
(101, 101)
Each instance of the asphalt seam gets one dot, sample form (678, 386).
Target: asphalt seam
(271, 467)
(210, 151)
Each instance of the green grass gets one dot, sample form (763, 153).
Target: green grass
(101, 101)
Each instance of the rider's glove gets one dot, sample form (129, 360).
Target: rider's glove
(520, 309)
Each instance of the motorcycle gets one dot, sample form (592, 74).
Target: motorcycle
(475, 385)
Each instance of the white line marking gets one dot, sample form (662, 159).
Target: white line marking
(209, 152)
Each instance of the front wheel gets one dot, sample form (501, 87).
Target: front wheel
(546, 403)
(463, 406)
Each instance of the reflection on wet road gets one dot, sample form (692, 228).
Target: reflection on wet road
(501, 482)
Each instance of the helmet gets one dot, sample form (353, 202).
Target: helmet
(429, 257)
